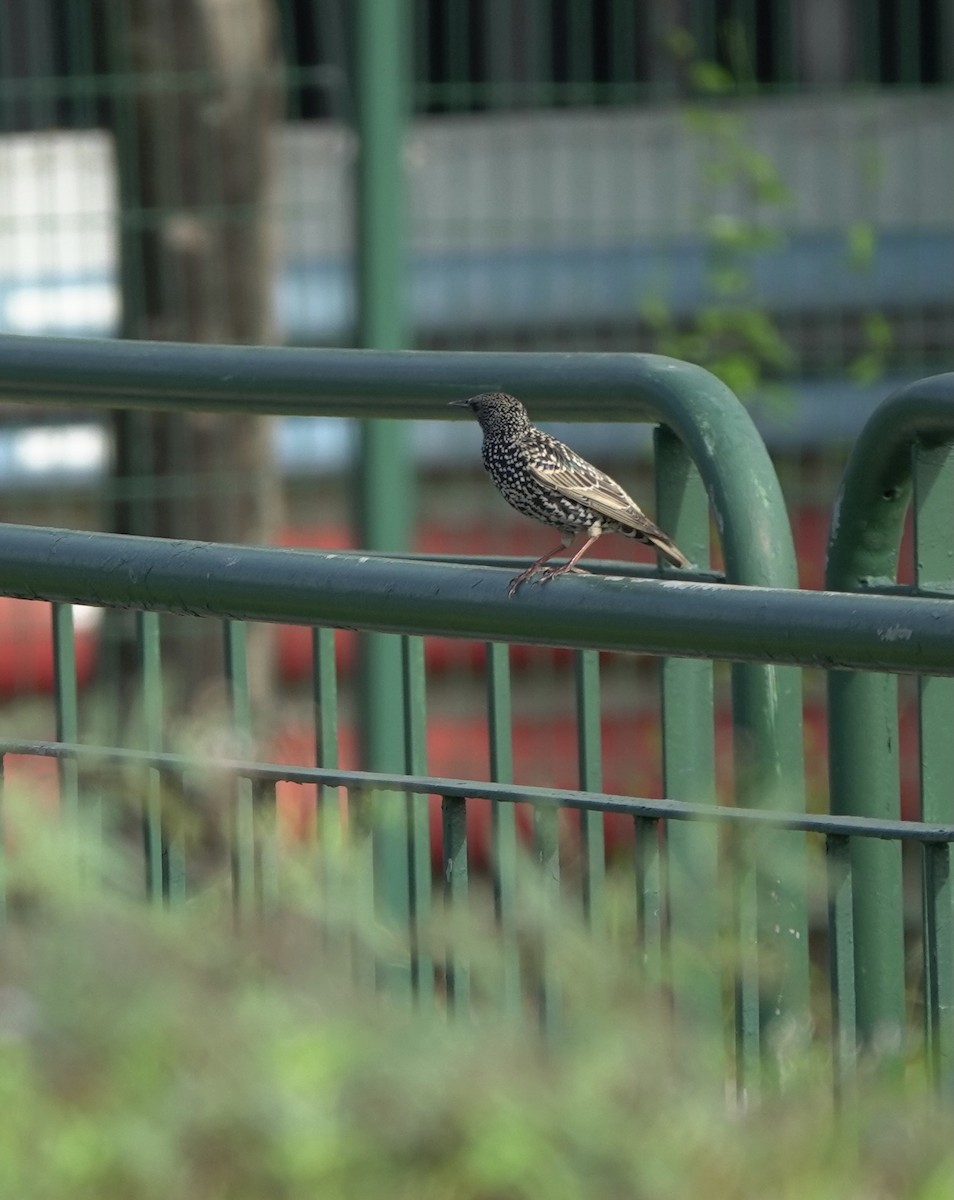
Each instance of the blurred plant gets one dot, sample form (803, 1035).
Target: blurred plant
(146, 1056)
(732, 334)
(877, 336)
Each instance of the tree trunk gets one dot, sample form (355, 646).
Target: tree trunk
(195, 128)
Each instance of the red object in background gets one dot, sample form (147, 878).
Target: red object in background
(26, 645)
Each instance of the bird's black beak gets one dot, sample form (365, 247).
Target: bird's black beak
(459, 403)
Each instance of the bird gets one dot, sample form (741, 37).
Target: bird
(544, 479)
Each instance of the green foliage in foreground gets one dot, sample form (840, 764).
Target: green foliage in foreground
(165, 1055)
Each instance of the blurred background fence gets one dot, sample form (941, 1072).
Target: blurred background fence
(574, 169)
(762, 187)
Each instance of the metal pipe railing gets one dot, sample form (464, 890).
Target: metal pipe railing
(371, 592)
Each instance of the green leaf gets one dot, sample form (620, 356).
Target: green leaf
(655, 311)
(861, 244)
(878, 332)
(712, 79)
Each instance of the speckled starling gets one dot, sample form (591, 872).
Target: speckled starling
(544, 479)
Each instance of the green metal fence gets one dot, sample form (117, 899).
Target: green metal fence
(708, 457)
(903, 459)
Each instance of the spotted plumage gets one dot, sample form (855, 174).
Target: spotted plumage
(546, 480)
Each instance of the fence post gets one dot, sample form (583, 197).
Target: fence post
(384, 475)
(864, 544)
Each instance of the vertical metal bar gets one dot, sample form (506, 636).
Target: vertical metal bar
(863, 727)
(870, 31)
(3, 840)
(688, 756)
(783, 42)
(623, 44)
(243, 823)
(579, 54)
(419, 821)
(384, 482)
(533, 53)
(503, 827)
(748, 1022)
(154, 842)
(544, 33)
(359, 882)
(325, 686)
(501, 53)
(841, 960)
(768, 749)
(933, 475)
(382, 92)
(908, 41)
(454, 821)
(933, 498)
(769, 772)
(8, 120)
(939, 962)
(546, 846)
(329, 821)
(176, 880)
(590, 768)
(704, 29)
(456, 50)
(66, 704)
(741, 35)
(79, 42)
(649, 897)
(265, 808)
(39, 49)
(863, 717)
(945, 34)
(422, 62)
(661, 24)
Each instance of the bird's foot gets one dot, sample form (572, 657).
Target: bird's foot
(541, 574)
(518, 580)
(549, 573)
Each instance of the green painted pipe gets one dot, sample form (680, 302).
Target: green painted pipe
(867, 527)
(370, 592)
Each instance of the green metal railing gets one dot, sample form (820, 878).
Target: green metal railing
(905, 453)
(708, 454)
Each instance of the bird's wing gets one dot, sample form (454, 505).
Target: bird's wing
(564, 471)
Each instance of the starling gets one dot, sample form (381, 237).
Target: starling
(544, 479)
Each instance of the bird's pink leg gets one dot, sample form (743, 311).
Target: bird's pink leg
(552, 572)
(538, 566)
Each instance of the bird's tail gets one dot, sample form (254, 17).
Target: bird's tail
(668, 549)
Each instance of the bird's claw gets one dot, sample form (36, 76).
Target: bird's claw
(549, 573)
(524, 577)
(517, 582)
(541, 575)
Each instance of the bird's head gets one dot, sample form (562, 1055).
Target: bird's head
(499, 413)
